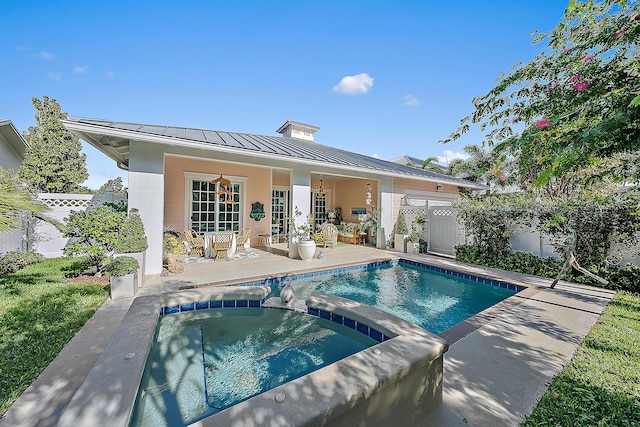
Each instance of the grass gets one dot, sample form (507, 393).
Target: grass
(601, 384)
(40, 311)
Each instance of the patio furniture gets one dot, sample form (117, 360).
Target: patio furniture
(348, 232)
(222, 244)
(196, 243)
(327, 236)
(264, 239)
(242, 238)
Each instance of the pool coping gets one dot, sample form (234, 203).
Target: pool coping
(110, 389)
(452, 334)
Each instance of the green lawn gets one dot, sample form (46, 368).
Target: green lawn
(40, 311)
(601, 384)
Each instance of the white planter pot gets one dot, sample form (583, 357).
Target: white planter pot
(413, 248)
(141, 257)
(293, 250)
(307, 249)
(399, 242)
(124, 286)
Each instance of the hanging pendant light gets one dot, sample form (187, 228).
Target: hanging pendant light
(367, 197)
(320, 190)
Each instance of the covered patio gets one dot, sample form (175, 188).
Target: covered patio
(218, 181)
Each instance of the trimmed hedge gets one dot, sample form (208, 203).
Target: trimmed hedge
(522, 262)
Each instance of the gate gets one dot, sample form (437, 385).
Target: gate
(444, 230)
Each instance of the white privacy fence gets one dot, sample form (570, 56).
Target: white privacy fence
(443, 232)
(46, 239)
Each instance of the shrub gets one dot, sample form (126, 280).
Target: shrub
(401, 225)
(14, 261)
(122, 265)
(171, 244)
(95, 234)
(522, 262)
(131, 237)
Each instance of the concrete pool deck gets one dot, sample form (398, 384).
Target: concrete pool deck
(498, 365)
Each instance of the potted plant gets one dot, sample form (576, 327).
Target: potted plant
(132, 241)
(401, 234)
(124, 278)
(413, 246)
(301, 244)
(371, 225)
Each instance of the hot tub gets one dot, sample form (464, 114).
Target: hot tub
(397, 381)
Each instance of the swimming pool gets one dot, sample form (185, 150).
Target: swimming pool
(204, 361)
(432, 299)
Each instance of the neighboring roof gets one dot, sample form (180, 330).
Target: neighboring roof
(11, 134)
(405, 160)
(112, 138)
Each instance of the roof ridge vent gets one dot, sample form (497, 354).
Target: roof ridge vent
(298, 130)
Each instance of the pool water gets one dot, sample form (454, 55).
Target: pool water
(205, 361)
(432, 300)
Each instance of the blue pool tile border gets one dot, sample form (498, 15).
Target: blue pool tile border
(492, 282)
(349, 323)
(323, 314)
(271, 281)
(205, 305)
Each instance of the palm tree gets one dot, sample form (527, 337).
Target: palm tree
(431, 164)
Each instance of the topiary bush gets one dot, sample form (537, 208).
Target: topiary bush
(122, 265)
(14, 261)
(131, 237)
(401, 225)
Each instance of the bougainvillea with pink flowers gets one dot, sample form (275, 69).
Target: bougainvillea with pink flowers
(576, 106)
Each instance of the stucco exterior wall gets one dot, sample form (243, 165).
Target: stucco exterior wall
(351, 194)
(257, 189)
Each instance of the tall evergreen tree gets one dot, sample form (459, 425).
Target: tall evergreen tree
(53, 162)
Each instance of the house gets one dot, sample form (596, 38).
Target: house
(176, 176)
(12, 151)
(12, 146)
(408, 160)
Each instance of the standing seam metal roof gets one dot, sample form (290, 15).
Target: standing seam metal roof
(283, 146)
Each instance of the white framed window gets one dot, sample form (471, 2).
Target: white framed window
(213, 206)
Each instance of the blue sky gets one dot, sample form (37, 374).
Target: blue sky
(380, 78)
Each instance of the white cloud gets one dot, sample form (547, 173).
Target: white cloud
(79, 70)
(45, 55)
(110, 73)
(354, 85)
(375, 155)
(449, 155)
(410, 100)
(54, 76)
